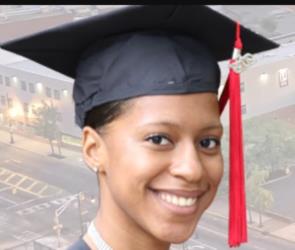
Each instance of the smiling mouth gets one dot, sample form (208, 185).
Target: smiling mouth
(177, 200)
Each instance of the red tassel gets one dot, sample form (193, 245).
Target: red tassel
(237, 213)
(237, 198)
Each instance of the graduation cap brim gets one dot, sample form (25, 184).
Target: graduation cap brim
(60, 48)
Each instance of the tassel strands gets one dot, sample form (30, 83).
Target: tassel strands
(237, 197)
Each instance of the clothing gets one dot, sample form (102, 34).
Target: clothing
(95, 237)
(79, 245)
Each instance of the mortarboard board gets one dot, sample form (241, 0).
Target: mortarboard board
(63, 48)
(141, 50)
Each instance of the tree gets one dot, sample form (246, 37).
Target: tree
(269, 146)
(267, 143)
(264, 201)
(46, 124)
(257, 196)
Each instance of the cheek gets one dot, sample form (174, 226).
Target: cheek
(131, 165)
(131, 170)
(214, 173)
(214, 170)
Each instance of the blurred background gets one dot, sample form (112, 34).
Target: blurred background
(47, 194)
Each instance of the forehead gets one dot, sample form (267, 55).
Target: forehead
(201, 108)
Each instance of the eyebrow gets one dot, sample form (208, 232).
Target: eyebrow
(173, 124)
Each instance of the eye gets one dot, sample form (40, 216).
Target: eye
(158, 139)
(210, 143)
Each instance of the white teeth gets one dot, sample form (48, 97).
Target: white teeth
(178, 200)
(174, 200)
(182, 201)
(189, 201)
(169, 198)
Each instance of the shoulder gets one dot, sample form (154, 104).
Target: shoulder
(79, 245)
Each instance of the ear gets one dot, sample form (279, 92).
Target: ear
(93, 149)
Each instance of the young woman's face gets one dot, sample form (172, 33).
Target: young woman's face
(163, 163)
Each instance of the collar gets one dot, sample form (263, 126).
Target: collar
(97, 239)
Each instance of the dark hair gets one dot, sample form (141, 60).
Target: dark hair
(102, 115)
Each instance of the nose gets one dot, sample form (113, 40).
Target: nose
(187, 164)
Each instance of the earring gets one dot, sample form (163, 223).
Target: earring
(95, 169)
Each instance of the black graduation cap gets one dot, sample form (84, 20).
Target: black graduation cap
(98, 51)
(143, 50)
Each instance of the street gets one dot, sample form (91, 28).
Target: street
(212, 231)
(279, 187)
(32, 187)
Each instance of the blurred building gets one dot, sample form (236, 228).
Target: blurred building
(18, 20)
(271, 21)
(24, 85)
(267, 85)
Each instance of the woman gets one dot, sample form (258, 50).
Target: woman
(157, 157)
(146, 99)
(158, 168)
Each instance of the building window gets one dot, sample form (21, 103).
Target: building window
(244, 109)
(9, 103)
(65, 92)
(7, 81)
(264, 78)
(48, 92)
(39, 86)
(56, 94)
(283, 77)
(23, 85)
(1, 80)
(15, 80)
(26, 107)
(3, 102)
(32, 87)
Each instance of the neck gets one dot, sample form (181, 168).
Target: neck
(119, 231)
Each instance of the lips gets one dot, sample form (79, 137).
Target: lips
(179, 201)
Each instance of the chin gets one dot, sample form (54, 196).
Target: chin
(178, 238)
(177, 234)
